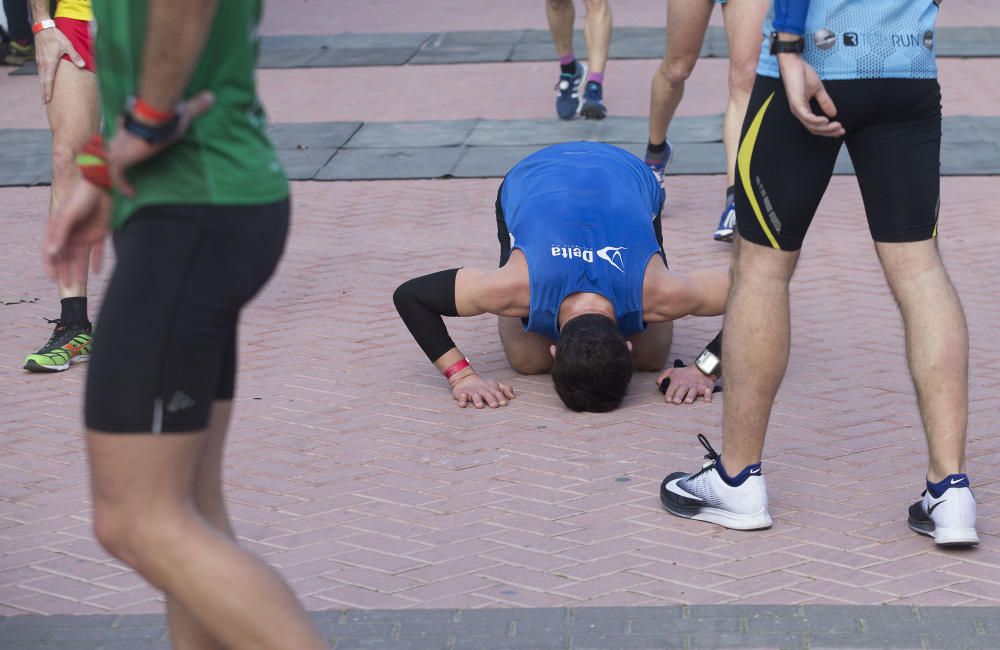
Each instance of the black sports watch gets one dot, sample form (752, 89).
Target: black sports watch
(798, 46)
(708, 363)
(151, 134)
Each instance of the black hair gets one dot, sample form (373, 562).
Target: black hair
(593, 368)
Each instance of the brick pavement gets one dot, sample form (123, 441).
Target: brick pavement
(353, 473)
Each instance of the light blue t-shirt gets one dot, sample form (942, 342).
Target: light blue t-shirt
(582, 214)
(859, 39)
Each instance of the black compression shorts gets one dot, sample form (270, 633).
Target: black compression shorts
(894, 139)
(168, 322)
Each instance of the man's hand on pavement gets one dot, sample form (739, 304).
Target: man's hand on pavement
(686, 384)
(481, 392)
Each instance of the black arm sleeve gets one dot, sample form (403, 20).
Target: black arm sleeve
(421, 302)
(715, 347)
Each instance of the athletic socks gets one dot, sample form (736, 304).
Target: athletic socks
(937, 490)
(568, 64)
(596, 77)
(74, 311)
(739, 479)
(730, 194)
(656, 153)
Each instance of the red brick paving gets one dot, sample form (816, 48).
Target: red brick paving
(351, 469)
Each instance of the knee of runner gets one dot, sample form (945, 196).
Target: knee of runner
(63, 157)
(140, 539)
(741, 76)
(559, 4)
(596, 5)
(677, 70)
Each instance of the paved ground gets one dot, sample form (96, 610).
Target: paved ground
(699, 627)
(353, 472)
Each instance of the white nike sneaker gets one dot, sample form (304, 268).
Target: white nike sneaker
(949, 519)
(704, 496)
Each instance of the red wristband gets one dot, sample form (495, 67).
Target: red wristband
(42, 25)
(456, 368)
(93, 163)
(144, 111)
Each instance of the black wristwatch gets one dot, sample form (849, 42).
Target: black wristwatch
(798, 46)
(151, 134)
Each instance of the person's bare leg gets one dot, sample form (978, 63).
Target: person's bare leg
(145, 514)
(937, 348)
(527, 352)
(186, 631)
(754, 348)
(687, 21)
(651, 348)
(561, 15)
(744, 19)
(74, 115)
(597, 30)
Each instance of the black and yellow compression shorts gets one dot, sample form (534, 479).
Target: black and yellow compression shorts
(894, 139)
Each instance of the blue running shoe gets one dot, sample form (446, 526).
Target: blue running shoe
(659, 167)
(727, 224)
(568, 99)
(593, 102)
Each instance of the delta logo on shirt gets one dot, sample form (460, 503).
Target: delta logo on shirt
(610, 254)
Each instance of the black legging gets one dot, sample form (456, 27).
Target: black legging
(18, 23)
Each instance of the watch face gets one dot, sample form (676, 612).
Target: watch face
(708, 363)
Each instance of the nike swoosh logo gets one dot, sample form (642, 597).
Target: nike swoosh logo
(755, 471)
(954, 482)
(931, 509)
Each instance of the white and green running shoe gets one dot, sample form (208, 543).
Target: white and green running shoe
(69, 344)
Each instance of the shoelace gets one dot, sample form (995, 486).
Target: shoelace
(712, 456)
(58, 331)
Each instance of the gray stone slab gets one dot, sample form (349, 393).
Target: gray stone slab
(319, 135)
(392, 135)
(490, 162)
(26, 70)
(968, 42)
(19, 142)
(28, 169)
(384, 164)
(304, 164)
(970, 159)
(337, 50)
(467, 47)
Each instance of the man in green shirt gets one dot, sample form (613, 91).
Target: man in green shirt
(200, 212)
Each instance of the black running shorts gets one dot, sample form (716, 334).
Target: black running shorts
(167, 326)
(893, 137)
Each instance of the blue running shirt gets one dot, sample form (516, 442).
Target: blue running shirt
(582, 214)
(857, 39)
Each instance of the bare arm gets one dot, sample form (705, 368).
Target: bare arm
(668, 295)
(422, 302)
(176, 32)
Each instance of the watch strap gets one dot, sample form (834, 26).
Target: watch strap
(797, 46)
(152, 134)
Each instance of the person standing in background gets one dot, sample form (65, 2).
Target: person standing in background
(597, 31)
(65, 58)
(687, 21)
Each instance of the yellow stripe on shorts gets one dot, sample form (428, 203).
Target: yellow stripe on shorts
(743, 162)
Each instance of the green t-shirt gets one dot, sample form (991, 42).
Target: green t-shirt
(225, 158)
